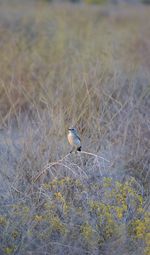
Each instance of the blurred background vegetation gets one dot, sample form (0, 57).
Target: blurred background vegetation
(103, 1)
(83, 65)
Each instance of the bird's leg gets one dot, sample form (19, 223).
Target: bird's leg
(72, 150)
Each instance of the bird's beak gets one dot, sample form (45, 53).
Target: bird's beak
(69, 128)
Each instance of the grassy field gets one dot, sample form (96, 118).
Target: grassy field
(85, 66)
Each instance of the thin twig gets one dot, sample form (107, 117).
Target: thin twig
(94, 155)
(49, 165)
(16, 190)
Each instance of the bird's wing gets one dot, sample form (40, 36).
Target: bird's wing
(78, 138)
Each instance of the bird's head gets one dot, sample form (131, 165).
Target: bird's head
(72, 130)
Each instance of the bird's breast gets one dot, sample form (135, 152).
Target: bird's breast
(73, 140)
(70, 139)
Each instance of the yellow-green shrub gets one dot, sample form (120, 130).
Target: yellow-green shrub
(76, 211)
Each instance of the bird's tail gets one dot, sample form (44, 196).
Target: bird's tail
(79, 148)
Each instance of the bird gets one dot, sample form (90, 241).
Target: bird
(74, 139)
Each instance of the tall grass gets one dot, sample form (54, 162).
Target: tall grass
(62, 66)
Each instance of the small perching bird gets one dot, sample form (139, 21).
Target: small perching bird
(74, 139)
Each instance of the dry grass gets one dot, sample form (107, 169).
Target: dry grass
(63, 65)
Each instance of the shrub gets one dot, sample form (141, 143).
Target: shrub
(73, 211)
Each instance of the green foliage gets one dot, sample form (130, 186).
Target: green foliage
(139, 229)
(75, 211)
